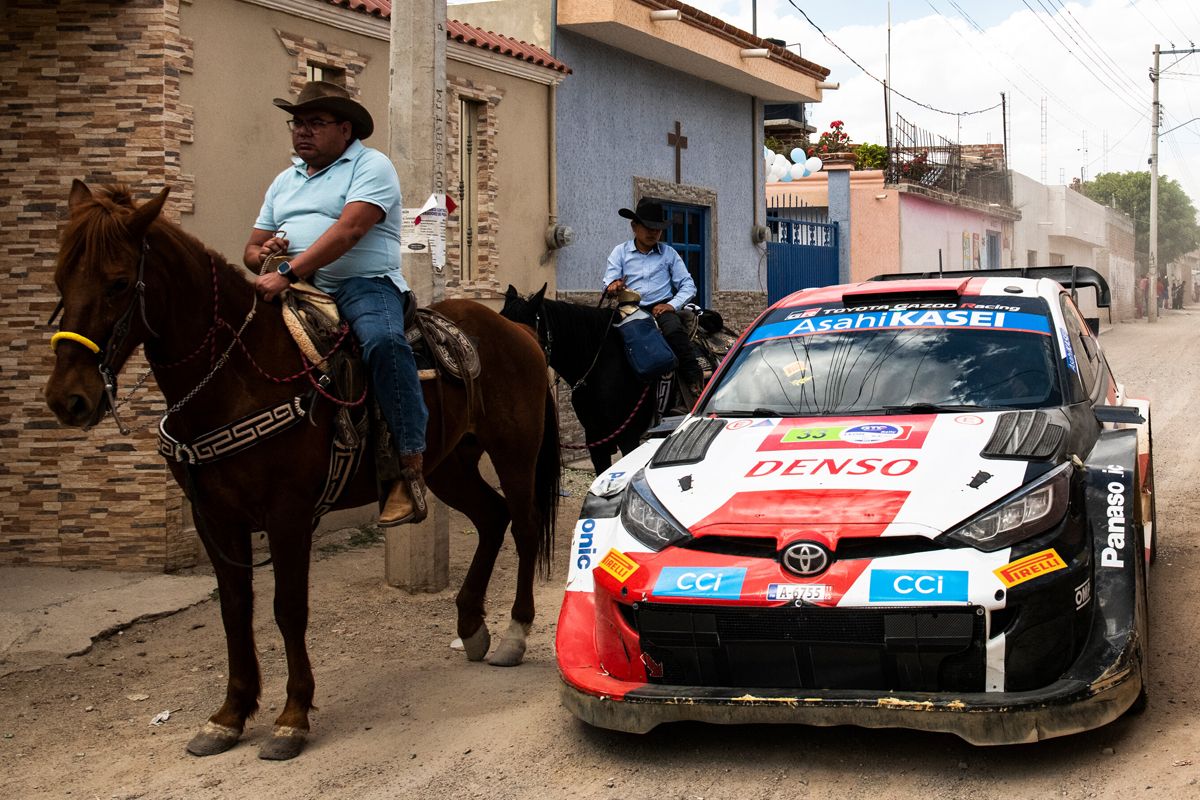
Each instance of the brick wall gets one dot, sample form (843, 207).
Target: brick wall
(91, 90)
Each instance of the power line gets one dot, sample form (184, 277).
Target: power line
(1150, 22)
(1166, 14)
(1096, 48)
(1074, 55)
(893, 90)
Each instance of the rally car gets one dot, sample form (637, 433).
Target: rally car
(922, 503)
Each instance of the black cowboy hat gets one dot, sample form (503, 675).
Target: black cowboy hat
(325, 96)
(649, 213)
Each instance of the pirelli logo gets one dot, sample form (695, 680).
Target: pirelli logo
(619, 565)
(1029, 567)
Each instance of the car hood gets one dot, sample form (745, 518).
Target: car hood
(830, 477)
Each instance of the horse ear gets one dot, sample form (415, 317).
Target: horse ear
(80, 194)
(146, 213)
(511, 293)
(539, 295)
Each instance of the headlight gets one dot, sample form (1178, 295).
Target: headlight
(645, 518)
(1031, 510)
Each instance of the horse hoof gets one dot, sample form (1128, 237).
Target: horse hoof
(509, 653)
(213, 739)
(285, 743)
(476, 645)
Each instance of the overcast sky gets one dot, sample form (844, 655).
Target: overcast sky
(1090, 60)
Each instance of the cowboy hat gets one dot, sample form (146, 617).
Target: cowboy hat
(649, 213)
(325, 96)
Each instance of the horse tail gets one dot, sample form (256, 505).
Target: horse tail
(548, 482)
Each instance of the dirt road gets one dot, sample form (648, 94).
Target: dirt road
(401, 715)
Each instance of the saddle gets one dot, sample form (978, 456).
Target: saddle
(439, 347)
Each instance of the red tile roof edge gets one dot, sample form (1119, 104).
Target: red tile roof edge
(720, 27)
(469, 35)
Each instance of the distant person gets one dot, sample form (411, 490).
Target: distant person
(656, 272)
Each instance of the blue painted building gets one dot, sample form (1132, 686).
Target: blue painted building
(669, 109)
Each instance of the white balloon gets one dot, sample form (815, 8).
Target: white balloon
(798, 171)
(814, 164)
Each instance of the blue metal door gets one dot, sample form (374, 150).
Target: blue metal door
(802, 254)
(688, 234)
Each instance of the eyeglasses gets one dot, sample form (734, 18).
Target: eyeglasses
(311, 125)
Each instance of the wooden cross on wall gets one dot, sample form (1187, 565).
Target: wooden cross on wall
(679, 142)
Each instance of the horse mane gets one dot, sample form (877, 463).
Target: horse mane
(97, 230)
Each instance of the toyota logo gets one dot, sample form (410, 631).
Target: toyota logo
(806, 558)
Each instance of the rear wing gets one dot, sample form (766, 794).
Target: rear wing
(1070, 276)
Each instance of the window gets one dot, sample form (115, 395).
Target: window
(469, 155)
(1031, 258)
(1086, 352)
(321, 72)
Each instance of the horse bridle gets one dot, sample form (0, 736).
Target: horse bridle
(108, 366)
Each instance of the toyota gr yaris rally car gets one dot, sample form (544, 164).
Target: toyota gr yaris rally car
(922, 503)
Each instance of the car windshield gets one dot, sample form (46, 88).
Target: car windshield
(881, 370)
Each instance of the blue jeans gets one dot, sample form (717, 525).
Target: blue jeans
(374, 307)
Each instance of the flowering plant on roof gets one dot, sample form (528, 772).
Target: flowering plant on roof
(834, 140)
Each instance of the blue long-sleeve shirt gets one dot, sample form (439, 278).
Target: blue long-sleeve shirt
(658, 276)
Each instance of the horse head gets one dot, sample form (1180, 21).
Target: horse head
(523, 310)
(99, 277)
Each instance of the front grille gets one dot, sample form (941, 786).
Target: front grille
(848, 547)
(885, 649)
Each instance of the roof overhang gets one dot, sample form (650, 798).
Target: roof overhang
(696, 44)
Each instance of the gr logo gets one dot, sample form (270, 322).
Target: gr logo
(720, 582)
(918, 586)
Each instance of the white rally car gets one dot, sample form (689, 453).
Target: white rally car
(922, 503)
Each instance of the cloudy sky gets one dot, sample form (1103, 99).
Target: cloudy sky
(1090, 60)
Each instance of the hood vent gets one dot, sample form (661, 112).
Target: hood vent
(1025, 435)
(688, 445)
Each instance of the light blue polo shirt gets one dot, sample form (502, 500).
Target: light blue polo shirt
(304, 206)
(658, 276)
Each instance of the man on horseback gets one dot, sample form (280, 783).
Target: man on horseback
(656, 272)
(339, 204)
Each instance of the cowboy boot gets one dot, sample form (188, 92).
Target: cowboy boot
(406, 499)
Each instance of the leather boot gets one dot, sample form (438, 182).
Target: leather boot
(406, 499)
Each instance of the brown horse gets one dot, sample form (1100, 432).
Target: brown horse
(128, 277)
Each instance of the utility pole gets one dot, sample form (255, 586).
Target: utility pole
(1152, 300)
(417, 557)
(1152, 265)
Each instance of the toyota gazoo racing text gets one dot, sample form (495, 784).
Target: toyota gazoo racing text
(921, 503)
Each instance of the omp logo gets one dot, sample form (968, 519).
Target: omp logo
(1083, 594)
(1029, 567)
(584, 549)
(1113, 554)
(918, 586)
(719, 582)
(618, 565)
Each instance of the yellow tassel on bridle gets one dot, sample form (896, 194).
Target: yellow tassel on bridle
(73, 337)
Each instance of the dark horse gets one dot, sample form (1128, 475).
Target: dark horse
(614, 406)
(128, 277)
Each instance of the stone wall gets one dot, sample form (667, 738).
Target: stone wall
(91, 91)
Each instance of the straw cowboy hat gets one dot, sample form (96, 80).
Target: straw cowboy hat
(325, 96)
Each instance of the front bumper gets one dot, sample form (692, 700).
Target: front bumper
(983, 718)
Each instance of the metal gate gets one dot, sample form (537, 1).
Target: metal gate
(803, 251)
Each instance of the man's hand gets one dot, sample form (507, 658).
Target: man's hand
(662, 308)
(273, 246)
(270, 285)
(615, 287)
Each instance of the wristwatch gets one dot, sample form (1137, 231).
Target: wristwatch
(285, 269)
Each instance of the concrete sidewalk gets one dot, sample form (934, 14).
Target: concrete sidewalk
(48, 614)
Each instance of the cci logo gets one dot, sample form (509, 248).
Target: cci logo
(918, 586)
(719, 582)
